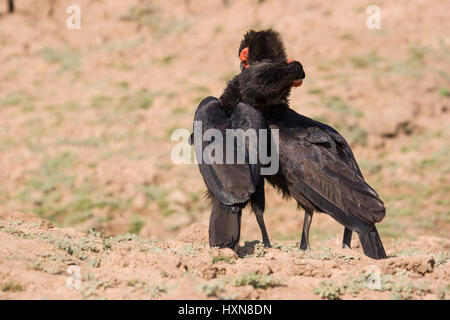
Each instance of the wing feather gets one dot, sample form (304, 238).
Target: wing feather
(319, 165)
(230, 183)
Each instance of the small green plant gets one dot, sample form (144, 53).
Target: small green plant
(101, 101)
(321, 253)
(47, 267)
(156, 194)
(149, 15)
(91, 283)
(136, 224)
(159, 289)
(212, 289)
(445, 92)
(140, 100)
(371, 166)
(257, 281)
(167, 60)
(222, 258)
(189, 250)
(16, 98)
(441, 258)
(399, 286)
(260, 250)
(67, 58)
(94, 263)
(402, 290)
(411, 66)
(369, 60)
(338, 105)
(443, 292)
(329, 290)
(136, 284)
(315, 91)
(12, 286)
(143, 15)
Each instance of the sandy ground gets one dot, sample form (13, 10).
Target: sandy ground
(86, 118)
(43, 262)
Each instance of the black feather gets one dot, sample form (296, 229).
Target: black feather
(317, 166)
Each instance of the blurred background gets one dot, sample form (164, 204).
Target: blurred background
(86, 115)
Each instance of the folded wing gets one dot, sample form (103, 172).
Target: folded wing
(231, 183)
(319, 165)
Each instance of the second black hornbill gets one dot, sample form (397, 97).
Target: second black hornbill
(316, 165)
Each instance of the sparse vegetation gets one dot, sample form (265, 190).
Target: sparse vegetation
(212, 289)
(12, 287)
(441, 258)
(160, 289)
(260, 250)
(85, 122)
(443, 292)
(329, 290)
(17, 98)
(337, 104)
(222, 259)
(369, 60)
(142, 99)
(400, 286)
(136, 225)
(67, 58)
(257, 281)
(150, 15)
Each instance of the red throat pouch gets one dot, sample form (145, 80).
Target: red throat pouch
(244, 57)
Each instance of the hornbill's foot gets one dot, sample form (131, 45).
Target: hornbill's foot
(267, 244)
(304, 247)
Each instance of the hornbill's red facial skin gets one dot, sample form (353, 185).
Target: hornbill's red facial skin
(317, 166)
(263, 46)
(243, 56)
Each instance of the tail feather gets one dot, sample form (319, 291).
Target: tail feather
(372, 245)
(224, 226)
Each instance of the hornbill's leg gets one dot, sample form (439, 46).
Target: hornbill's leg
(304, 244)
(10, 6)
(258, 203)
(347, 240)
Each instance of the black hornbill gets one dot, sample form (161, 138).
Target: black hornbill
(316, 165)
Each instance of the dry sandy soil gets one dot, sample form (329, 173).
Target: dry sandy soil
(86, 118)
(38, 261)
